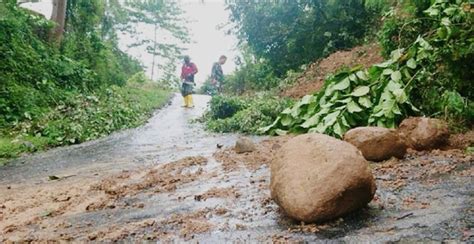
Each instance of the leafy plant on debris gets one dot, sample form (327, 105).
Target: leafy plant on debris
(382, 95)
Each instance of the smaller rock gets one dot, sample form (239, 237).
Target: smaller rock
(244, 145)
(424, 133)
(377, 144)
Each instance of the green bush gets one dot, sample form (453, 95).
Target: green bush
(243, 114)
(222, 107)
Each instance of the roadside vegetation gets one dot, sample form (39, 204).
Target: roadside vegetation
(244, 114)
(74, 85)
(428, 71)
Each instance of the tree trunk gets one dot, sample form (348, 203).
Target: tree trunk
(58, 16)
(154, 55)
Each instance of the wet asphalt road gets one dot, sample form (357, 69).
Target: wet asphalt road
(169, 135)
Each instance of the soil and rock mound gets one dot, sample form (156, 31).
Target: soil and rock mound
(312, 80)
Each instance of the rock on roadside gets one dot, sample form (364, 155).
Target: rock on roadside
(244, 145)
(424, 133)
(377, 144)
(315, 178)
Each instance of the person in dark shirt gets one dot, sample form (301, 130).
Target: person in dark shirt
(217, 75)
(188, 71)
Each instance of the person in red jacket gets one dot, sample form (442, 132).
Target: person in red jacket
(188, 71)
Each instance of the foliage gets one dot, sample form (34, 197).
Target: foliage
(256, 75)
(166, 19)
(385, 93)
(82, 117)
(242, 114)
(30, 70)
(402, 25)
(54, 95)
(207, 88)
(252, 75)
(288, 34)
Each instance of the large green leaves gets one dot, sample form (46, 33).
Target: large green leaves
(380, 95)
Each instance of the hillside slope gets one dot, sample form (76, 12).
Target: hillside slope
(313, 78)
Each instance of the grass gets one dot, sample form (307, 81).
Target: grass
(83, 120)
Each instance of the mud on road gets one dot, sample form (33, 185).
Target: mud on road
(167, 181)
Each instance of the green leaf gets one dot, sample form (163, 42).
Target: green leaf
(396, 54)
(396, 76)
(353, 107)
(266, 129)
(346, 100)
(442, 32)
(411, 63)
(342, 85)
(400, 95)
(360, 91)
(286, 120)
(306, 99)
(387, 107)
(331, 118)
(423, 43)
(287, 111)
(445, 21)
(329, 90)
(362, 75)
(432, 12)
(391, 86)
(353, 77)
(396, 109)
(345, 122)
(281, 132)
(338, 130)
(385, 64)
(365, 101)
(311, 122)
(450, 11)
(387, 71)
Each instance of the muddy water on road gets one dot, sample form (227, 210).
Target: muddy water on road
(168, 135)
(164, 182)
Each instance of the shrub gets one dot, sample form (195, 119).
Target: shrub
(243, 114)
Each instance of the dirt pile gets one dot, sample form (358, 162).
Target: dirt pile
(313, 78)
(218, 192)
(262, 155)
(315, 178)
(163, 178)
(461, 140)
(377, 144)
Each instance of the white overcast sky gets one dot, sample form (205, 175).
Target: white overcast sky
(208, 42)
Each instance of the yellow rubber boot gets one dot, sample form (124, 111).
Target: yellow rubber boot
(185, 101)
(190, 101)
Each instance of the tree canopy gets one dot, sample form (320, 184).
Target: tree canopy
(288, 34)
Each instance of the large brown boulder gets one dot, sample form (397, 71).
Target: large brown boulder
(424, 133)
(315, 177)
(377, 144)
